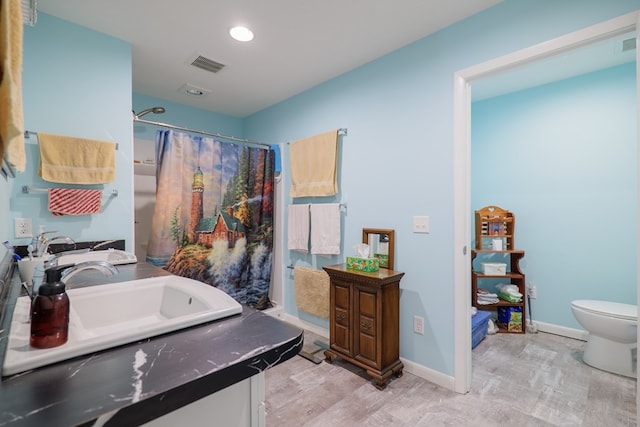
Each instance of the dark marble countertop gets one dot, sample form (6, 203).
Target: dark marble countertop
(135, 383)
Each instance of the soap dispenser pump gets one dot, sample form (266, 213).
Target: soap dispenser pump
(50, 311)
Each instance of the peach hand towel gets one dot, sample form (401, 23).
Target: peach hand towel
(312, 162)
(11, 114)
(325, 229)
(298, 228)
(312, 291)
(76, 160)
(71, 201)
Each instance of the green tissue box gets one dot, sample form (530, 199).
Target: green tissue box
(363, 264)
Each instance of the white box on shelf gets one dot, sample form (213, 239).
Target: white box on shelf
(494, 268)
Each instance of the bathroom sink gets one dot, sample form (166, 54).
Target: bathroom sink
(105, 316)
(112, 256)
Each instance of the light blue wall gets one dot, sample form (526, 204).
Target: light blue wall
(76, 82)
(562, 158)
(182, 115)
(397, 160)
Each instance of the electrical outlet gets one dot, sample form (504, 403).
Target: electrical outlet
(531, 291)
(418, 325)
(22, 227)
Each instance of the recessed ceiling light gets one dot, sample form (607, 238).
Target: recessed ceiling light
(193, 90)
(242, 34)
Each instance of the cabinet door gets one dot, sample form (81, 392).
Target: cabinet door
(366, 302)
(341, 322)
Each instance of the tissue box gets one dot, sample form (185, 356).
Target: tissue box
(511, 317)
(363, 264)
(494, 268)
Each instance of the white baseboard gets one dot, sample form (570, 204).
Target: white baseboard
(296, 321)
(429, 374)
(563, 331)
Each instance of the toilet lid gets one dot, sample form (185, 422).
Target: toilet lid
(608, 308)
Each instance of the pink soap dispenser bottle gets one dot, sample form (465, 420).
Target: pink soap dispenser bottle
(50, 311)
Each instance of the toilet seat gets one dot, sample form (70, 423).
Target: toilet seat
(608, 308)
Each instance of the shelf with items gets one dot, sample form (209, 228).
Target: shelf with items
(513, 276)
(494, 229)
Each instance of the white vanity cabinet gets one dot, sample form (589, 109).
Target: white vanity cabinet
(241, 404)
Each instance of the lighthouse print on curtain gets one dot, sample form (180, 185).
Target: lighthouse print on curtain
(213, 217)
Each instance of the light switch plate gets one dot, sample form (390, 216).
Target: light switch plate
(420, 224)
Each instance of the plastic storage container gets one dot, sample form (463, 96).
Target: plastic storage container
(494, 268)
(479, 327)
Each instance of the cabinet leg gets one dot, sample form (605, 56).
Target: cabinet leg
(329, 356)
(379, 381)
(397, 371)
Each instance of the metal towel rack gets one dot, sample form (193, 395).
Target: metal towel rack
(27, 189)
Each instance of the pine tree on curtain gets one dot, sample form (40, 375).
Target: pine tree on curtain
(213, 217)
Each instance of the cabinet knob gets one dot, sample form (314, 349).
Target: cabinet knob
(340, 316)
(366, 325)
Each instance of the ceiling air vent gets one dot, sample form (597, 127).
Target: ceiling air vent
(628, 44)
(207, 64)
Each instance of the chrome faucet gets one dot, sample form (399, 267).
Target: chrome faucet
(103, 266)
(43, 248)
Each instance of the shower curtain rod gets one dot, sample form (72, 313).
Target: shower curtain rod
(217, 135)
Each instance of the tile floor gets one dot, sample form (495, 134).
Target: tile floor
(518, 380)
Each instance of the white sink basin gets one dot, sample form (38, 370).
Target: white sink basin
(112, 256)
(106, 316)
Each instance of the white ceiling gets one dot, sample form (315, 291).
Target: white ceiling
(298, 43)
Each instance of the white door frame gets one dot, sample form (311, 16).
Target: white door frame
(462, 167)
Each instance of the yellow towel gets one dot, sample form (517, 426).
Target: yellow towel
(11, 114)
(313, 165)
(312, 291)
(76, 160)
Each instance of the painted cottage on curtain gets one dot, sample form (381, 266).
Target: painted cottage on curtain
(205, 231)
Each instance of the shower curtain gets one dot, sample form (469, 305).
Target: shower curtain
(213, 217)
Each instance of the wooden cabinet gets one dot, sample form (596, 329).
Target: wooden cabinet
(365, 321)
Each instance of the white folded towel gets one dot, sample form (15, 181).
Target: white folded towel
(298, 228)
(325, 229)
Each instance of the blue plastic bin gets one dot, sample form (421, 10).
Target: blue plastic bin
(479, 327)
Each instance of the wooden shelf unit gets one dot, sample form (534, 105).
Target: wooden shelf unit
(514, 275)
(493, 222)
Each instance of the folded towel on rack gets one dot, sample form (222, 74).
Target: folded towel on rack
(71, 201)
(312, 291)
(325, 228)
(298, 228)
(11, 114)
(313, 165)
(76, 160)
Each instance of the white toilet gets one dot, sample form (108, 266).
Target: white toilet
(612, 342)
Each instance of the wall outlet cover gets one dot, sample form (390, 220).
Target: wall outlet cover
(23, 228)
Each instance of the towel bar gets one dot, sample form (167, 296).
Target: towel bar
(28, 133)
(27, 189)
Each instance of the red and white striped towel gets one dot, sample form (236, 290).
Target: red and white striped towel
(71, 201)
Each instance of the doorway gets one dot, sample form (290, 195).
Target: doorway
(463, 81)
